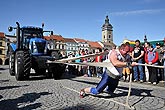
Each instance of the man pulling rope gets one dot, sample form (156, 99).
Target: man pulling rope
(111, 76)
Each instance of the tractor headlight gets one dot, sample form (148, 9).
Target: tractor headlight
(35, 50)
(45, 50)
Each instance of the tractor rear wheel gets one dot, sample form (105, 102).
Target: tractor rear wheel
(58, 70)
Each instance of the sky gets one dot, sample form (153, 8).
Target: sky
(131, 19)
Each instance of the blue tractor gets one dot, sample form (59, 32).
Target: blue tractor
(31, 51)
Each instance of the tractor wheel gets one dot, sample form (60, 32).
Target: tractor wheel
(27, 62)
(22, 65)
(11, 64)
(48, 74)
(58, 70)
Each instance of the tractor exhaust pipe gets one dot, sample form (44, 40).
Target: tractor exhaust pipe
(18, 36)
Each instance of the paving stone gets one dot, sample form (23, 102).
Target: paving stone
(41, 93)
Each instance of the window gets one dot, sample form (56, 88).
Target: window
(0, 52)
(109, 36)
(0, 43)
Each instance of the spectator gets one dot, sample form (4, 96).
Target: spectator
(126, 70)
(78, 67)
(138, 56)
(163, 77)
(151, 57)
(146, 49)
(99, 70)
(159, 49)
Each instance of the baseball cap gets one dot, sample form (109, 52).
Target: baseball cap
(157, 43)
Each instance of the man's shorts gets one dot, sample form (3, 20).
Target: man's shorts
(126, 71)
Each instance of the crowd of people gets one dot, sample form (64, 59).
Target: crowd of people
(144, 54)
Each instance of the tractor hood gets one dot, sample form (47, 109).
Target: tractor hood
(38, 46)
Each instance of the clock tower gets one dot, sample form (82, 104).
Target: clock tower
(107, 32)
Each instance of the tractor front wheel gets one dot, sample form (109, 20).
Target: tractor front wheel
(11, 64)
(22, 65)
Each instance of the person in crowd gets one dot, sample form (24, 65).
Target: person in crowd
(71, 68)
(163, 76)
(99, 59)
(159, 49)
(126, 70)
(151, 57)
(105, 57)
(90, 68)
(146, 49)
(138, 56)
(78, 67)
(111, 76)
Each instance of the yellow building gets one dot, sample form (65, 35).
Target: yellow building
(2, 48)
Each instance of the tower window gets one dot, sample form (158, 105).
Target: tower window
(109, 36)
(104, 36)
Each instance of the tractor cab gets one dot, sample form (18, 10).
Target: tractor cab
(33, 40)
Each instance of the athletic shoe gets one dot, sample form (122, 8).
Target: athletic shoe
(82, 93)
(141, 81)
(135, 80)
(154, 83)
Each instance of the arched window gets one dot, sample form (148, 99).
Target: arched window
(1, 61)
(109, 36)
(0, 52)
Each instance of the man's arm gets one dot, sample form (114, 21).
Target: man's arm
(115, 61)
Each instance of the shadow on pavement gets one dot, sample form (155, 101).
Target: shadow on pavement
(25, 102)
(1, 96)
(88, 82)
(11, 87)
(1, 81)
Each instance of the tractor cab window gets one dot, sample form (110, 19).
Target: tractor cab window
(28, 34)
(32, 35)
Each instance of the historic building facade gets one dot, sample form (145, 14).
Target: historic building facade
(3, 49)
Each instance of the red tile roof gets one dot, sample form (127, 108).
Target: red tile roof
(69, 40)
(2, 34)
(94, 44)
(47, 37)
(54, 37)
(79, 40)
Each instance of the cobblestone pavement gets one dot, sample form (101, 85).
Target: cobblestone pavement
(39, 93)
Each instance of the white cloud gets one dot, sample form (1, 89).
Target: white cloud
(135, 12)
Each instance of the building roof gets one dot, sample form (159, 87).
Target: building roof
(79, 40)
(2, 34)
(54, 37)
(94, 44)
(69, 40)
(47, 37)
